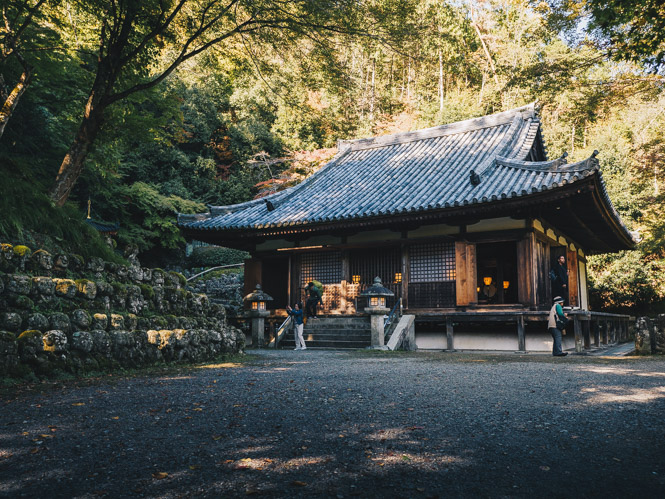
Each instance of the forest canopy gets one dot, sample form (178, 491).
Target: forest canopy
(150, 108)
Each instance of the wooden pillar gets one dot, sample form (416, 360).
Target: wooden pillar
(596, 333)
(405, 276)
(606, 332)
(344, 302)
(613, 331)
(521, 339)
(579, 341)
(449, 335)
(586, 329)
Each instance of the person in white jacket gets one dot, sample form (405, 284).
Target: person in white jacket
(556, 314)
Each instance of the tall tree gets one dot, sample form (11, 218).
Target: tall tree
(141, 43)
(16, 18)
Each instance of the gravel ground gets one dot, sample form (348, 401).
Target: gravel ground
(340, 424)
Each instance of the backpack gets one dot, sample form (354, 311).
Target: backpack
(553, 276)
(318, 287)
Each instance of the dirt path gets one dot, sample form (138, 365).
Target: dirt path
(340, 424)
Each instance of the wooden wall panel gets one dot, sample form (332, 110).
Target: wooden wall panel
(527, 271)
(466, 273)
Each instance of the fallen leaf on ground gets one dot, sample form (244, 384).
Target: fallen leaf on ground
(79, 403)
(160, 475)
(298, 483)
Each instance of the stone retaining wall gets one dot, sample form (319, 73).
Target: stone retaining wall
(64, 313)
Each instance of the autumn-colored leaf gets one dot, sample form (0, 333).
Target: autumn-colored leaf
(160, 475)
(198, 409)
(78, 404)
(298, 483)
(115, 417)
(194, 467)
(35, 450)
(44, 435)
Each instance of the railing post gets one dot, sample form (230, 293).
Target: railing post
(521, 340)
(596, 333)
(606, 331)
(449, 335)
(578, 334)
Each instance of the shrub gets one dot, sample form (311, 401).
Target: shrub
(213, 256)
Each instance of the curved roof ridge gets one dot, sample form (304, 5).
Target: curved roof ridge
(555, 165)
(525, 112)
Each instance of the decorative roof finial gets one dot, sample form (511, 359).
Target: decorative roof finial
(594, 153)
(474, 178)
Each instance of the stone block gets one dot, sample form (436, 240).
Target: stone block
(19, 284)
(81, 319)
(65, 288)
(55, 341)
(37, 321)
(101, 343)
(82, 341)
(60, 321)
(41, 261)
(100, 322)
(96, 266)
(86, 289)
(43, 286)
(11, 321)
(117, 322)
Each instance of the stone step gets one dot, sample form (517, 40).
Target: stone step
(286, 344)
(341, 323)
(338, 331)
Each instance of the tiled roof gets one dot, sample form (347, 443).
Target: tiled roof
(470, 162)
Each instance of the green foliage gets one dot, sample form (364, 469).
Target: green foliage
(182, 280)
(627, 282)
(147, 291)
(213, 256)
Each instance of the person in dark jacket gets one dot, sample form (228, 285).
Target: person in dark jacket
(296, 313)
(560, 281)
(313, 299)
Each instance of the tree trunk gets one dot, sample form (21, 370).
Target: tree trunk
(12, 99)
(72, 164)
(440, 81)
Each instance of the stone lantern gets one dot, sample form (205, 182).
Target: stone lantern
(257, 311)
(376, 307)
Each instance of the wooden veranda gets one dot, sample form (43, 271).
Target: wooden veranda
(591, 329)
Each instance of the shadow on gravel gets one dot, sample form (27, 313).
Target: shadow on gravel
(346, 424)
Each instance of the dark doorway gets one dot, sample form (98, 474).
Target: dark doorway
(497, 273)
(275, 279)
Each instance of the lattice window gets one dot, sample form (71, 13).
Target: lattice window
(325, 267)
(432, 262)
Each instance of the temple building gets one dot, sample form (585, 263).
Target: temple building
(467, 217)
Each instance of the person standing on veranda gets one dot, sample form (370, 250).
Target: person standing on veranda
(296, 314)
(560, 282)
